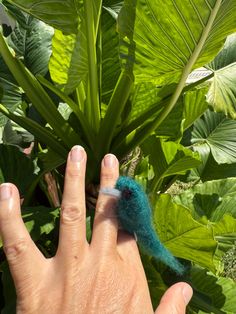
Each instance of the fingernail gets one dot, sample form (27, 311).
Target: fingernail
(187, 292)
(5, 191)
(77, 153)
(110, 161)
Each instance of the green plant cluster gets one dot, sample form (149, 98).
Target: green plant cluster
(151, 81)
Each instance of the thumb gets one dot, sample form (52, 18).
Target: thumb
(175, 299)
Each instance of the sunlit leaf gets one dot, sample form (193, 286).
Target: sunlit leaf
(227, 55)
(184, 236)
(217, 293)
(168, 158)
(213, 199)
(194, 105)
(222, 93)
(217, 132)
(68, 64)
(172, 37)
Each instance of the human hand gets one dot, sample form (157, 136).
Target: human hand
(105, 276)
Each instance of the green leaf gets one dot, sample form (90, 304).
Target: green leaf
(222, 93)
(217, 132)
(61, 14)
(39, 220)
(171, 126)
(41, 133)
(15, 135)
(226, 226)
(216, 293)
(31, 41)
(156, 285)
(184, 236)
(69, 62)
(16, 168)
(168, 159)
(110, 50)
(49, 160)
(213, 171)
(213, 199)
(194, 105)
(172, 38)
(12, 93)
(40, 99)
(226, 56)
(164, 48)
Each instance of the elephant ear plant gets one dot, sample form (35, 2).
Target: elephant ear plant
(113, 76)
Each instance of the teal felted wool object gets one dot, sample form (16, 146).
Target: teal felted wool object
(135, 216)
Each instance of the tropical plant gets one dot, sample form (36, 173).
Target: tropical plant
(113, 76)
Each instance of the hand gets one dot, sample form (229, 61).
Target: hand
(105, 276)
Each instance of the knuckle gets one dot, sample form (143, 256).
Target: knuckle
(108, 175)
(71, 213)
(16, 250)
(74, 172)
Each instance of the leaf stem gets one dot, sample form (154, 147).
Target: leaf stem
(93, 103)
(115, 107)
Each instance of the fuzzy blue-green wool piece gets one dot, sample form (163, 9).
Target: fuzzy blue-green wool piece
(135, 216)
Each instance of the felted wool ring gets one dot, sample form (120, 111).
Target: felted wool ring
(110, 192)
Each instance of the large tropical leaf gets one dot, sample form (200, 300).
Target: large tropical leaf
(216, 131)
(183, 235)
(109, 58)
(172, 37)
(12, 93)
(214, 171)
(68, 64)
(226, 56)
(217, 294)
(213, 199)
(61, 14)
(168, 159)
(31, 41)
(194, 105)
(222, 93)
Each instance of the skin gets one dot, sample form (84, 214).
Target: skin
(105, 276)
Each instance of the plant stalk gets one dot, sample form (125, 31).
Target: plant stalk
(115, 108)
(93, 99)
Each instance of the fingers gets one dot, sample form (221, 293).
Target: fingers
(72, 237)
(175, 299)
(105, 222)
(23, 256)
